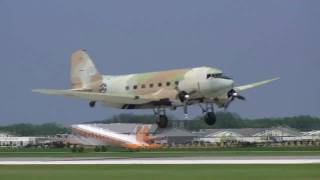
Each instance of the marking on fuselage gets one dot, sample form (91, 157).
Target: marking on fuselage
(103, 88)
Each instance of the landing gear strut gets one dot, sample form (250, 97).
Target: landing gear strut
(209, 115)
(161, 118)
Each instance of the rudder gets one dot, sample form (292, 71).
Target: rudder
(84, 75)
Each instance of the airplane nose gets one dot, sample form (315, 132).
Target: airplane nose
(228, 83)
(217, 85)
(223, 84)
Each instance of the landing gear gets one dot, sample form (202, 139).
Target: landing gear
(162, 121)
(161, 118)
(210, 118)
(209, 115)
(92, 104)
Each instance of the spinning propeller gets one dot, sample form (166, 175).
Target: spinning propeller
(232, 95)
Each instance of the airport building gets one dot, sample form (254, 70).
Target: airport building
(8, 140)
(174, 136)
(250, 135)
(129, 135)
(14, 141)
(179, 136)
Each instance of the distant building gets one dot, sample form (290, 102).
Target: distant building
(220, 135)
(10, 141)
(312, 133)
(170, 136)
(255, 135)
(173, 136)
(3, 134)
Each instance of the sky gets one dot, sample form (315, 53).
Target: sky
(249, 40)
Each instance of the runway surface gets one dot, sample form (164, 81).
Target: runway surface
(178, 160)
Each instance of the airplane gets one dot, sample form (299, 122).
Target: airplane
(93, 133)
(205, 86)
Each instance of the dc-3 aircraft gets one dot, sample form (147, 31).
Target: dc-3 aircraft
(139, 138)
(159, 91)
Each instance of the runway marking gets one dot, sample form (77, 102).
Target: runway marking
(159, 161)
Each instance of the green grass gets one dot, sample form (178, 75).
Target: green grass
(159, 172)
(162, 154)
(275, 151)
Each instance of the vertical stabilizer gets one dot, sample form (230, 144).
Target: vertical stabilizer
(84, 75)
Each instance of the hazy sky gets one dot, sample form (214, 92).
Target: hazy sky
(249, 40)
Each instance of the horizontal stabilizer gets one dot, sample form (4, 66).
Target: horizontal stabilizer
(93, 96)
(254, 85)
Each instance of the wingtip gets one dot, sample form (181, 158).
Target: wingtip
(275, 79)
(41, 91)
(271, 80)
(35, 90)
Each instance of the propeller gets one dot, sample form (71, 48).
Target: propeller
(232, 94)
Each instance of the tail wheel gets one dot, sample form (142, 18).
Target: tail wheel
(210, 118)
(92, 104)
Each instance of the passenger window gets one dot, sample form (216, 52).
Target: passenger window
(160, 84)
(127, 88)
(168, 83)
(135, 87)
(176, 83)
(143, 86)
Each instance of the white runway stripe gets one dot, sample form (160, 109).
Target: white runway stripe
(171, 161)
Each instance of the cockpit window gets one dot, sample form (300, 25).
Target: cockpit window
(217, 75)
(214, 75)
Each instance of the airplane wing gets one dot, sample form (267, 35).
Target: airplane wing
(254, 85)
(93, 96)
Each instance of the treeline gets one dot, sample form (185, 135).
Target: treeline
(46, 129)
(224, 120)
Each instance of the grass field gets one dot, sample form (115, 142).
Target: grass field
(163, 154)
(301, 151)
(159, 172)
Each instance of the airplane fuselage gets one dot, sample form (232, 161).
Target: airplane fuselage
(202, 83)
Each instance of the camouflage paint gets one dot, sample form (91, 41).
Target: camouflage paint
(84, 75)
(111, 90)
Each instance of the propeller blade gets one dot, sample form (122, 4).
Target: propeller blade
(233, 94)
(185, 110)
(184, 98)
(226, 105)
(241, 97)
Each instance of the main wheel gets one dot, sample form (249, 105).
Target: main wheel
(162, 121)
(210, 118)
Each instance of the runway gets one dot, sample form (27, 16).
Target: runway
(179, 160)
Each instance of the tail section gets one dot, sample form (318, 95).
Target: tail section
(144, 137)
(84, 75)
